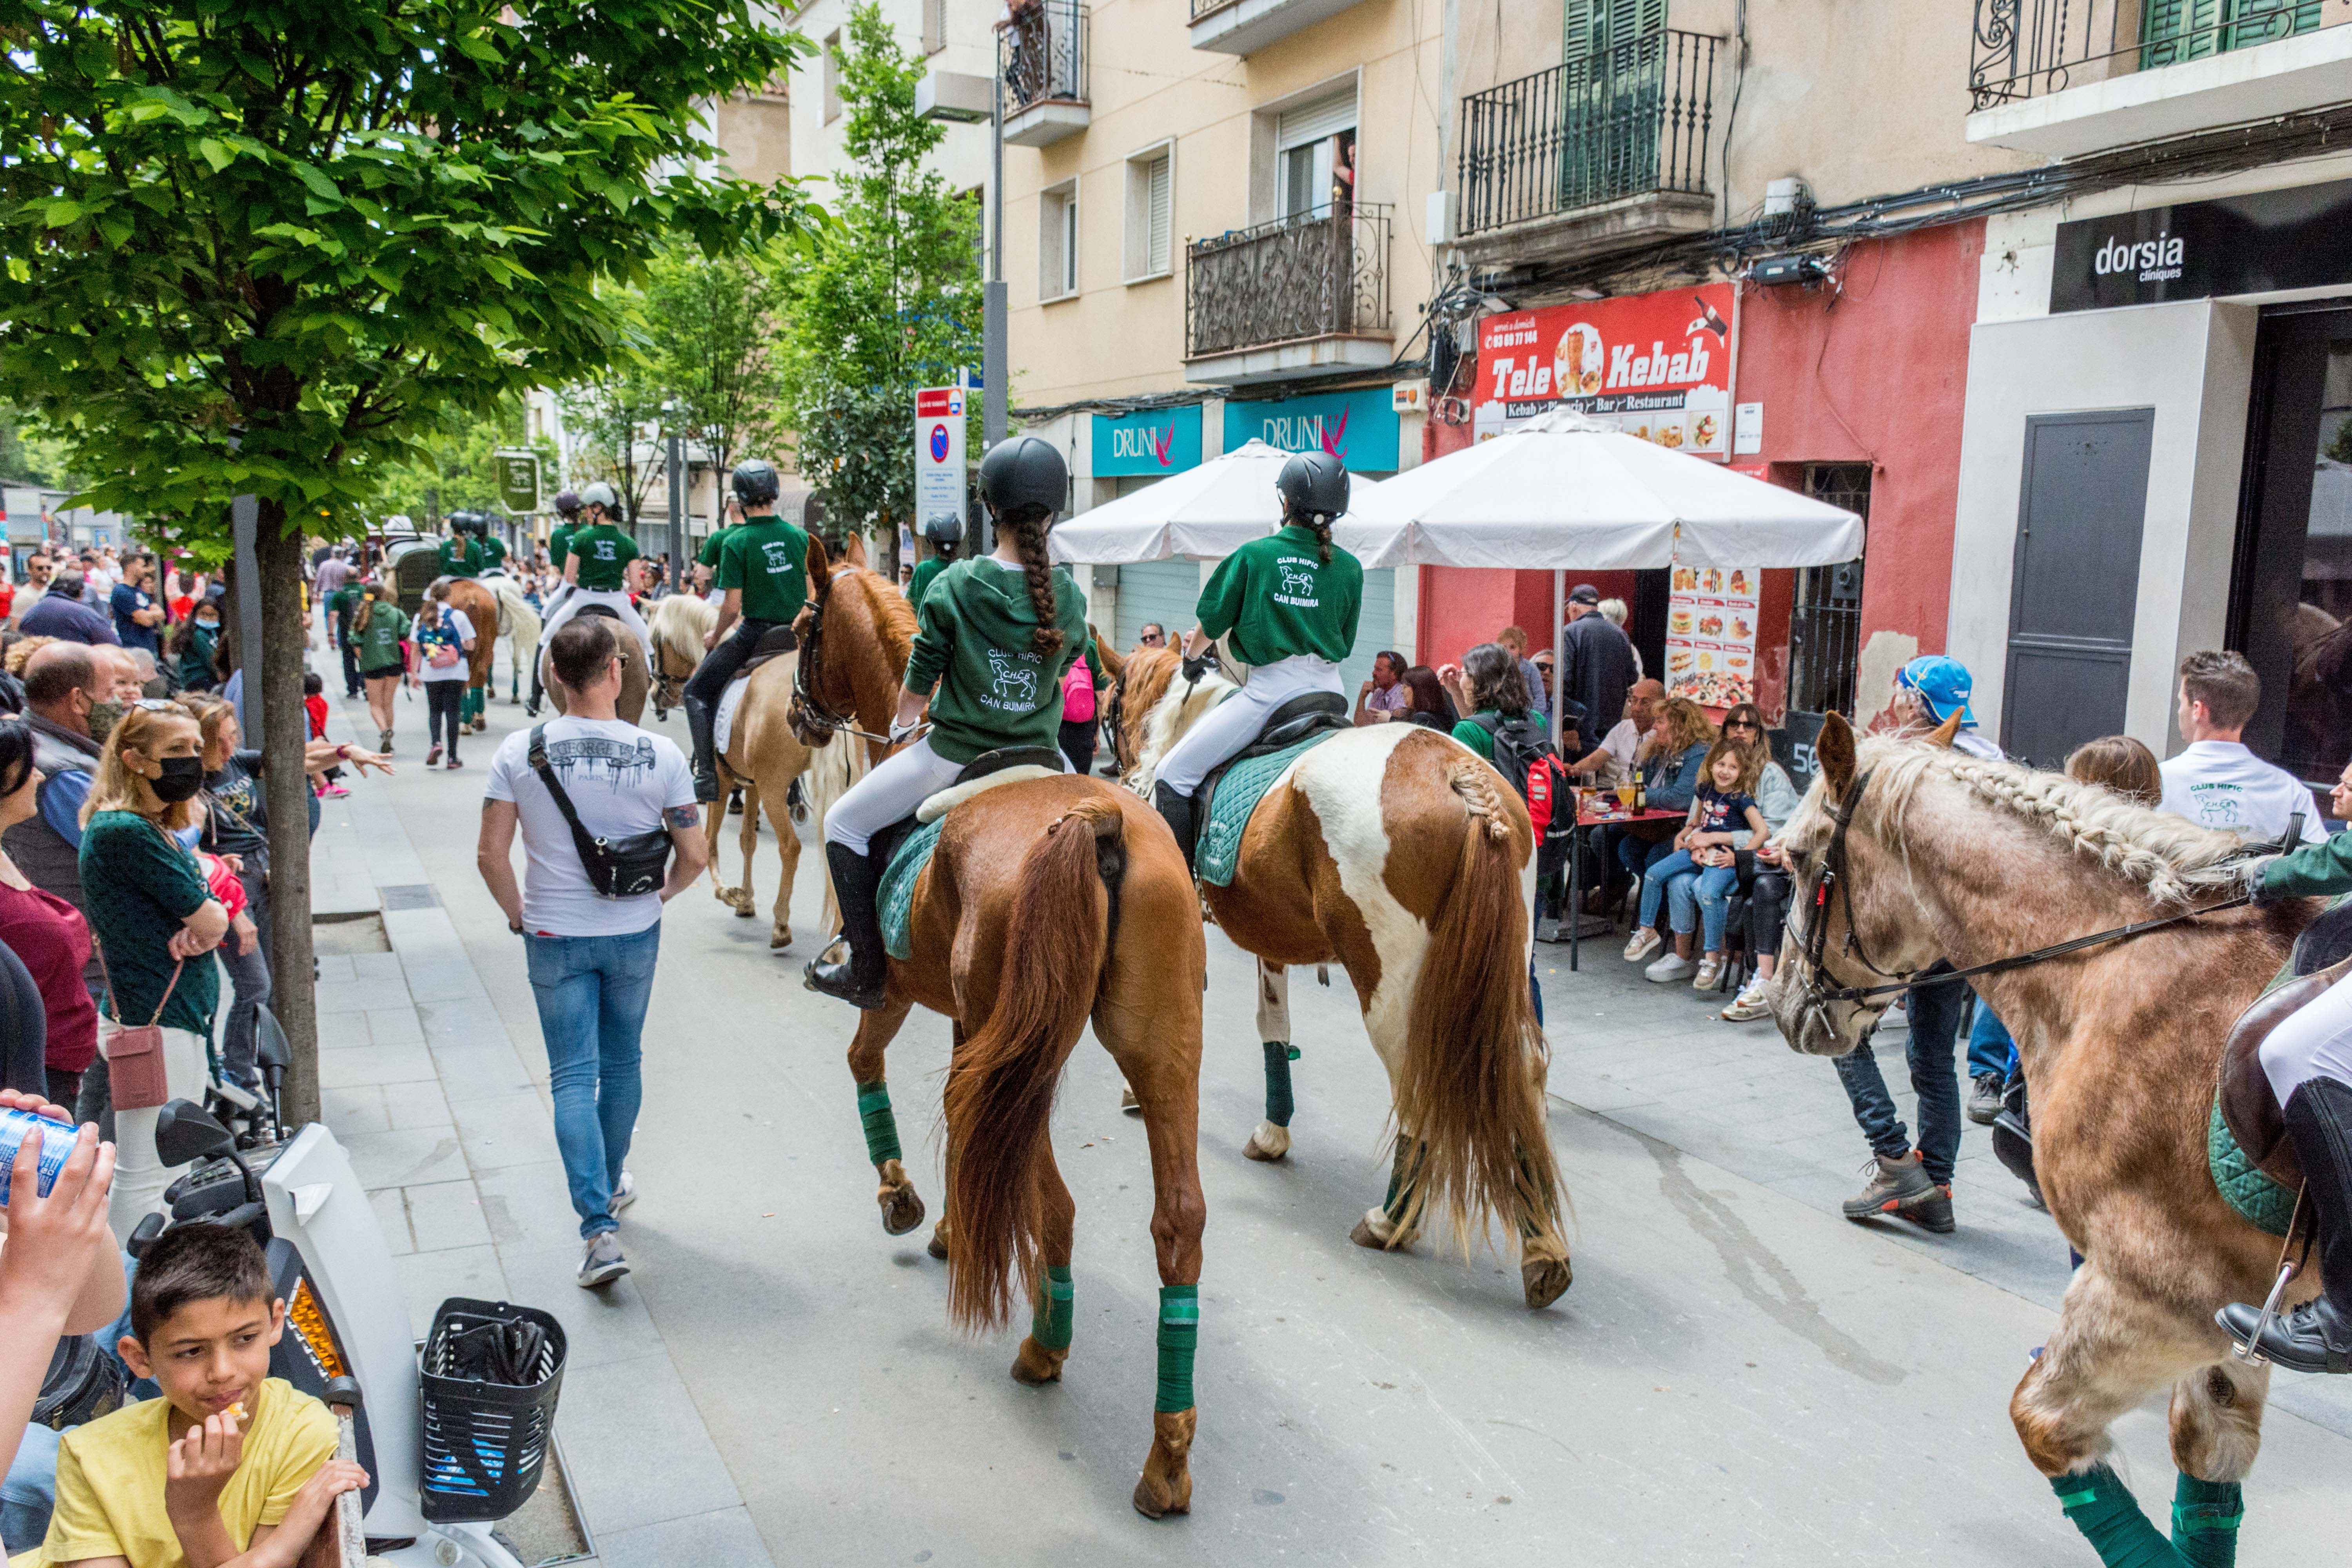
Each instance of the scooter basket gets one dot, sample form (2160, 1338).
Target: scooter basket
(484, 1443)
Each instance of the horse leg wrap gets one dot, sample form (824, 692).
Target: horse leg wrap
(2205, 1519)
(1180, 1331)
(1279, 1055)
(881, 1127)
(2104, 1510)
(1056, 1302)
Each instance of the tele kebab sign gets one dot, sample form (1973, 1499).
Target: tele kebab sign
(1654, 365)
(938, 461)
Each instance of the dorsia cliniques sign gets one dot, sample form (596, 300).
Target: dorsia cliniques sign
(2263, 243)
(1654, 365)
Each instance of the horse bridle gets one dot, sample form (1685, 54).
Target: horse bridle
(810, 712)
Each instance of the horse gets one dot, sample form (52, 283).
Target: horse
(519, 623)
(634, 681)
(1046, 902)
(1931, 854)
(480, 605)
(1396, 852)
(679, 622)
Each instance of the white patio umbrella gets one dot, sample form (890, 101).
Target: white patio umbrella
(1205, 513)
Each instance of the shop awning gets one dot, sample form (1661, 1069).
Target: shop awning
(1203, 514)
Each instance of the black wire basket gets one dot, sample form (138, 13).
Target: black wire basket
(484, 1443)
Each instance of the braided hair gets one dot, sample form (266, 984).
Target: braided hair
(1027, 525)
(1319, 525)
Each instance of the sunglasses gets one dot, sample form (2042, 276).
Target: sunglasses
(1154, 637)
(1744, 724)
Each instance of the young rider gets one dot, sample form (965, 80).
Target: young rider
(559, 546)
(460, 555)
(764, 570)
(997, 635)
(493, 548)
(1290, 602)
(602, 565)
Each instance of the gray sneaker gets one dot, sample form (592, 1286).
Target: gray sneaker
(1900, 1188)
(623, 1195)
(1984, 1098)
(602, 1263)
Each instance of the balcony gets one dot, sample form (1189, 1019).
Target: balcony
(1300, 296)
(1041, 57)
(2064, 77)
(1604, 153)
(1245, 27)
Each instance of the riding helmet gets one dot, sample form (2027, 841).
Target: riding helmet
(599, 494)
(755, 483)
(1314, 485)
(567, 503)
(1023, 471)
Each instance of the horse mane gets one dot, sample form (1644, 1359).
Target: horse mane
(874, 684)
(2172, 857)
(1175, 707)
(679, 622)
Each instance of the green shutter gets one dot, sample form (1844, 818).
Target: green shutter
(2176, 30)
(1613, 52)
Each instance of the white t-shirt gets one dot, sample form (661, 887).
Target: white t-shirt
(457, 621)
(2220, 784)
(1620, 743)
(621, 780)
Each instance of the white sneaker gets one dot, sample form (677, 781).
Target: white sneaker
(602, 1263)
(623, 1195)
(1644, 942)
(1674, 966)
(1748, 1004)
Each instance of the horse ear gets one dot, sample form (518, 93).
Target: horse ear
(818, 569)
(1942, 733)
(1834, 754)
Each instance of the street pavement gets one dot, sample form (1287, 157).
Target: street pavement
(1737, 1373)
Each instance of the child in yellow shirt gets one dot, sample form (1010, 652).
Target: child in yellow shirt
(231, 1468)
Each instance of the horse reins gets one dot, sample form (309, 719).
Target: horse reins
(814, 713)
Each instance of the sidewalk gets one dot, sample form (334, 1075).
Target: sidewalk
(447, 1119)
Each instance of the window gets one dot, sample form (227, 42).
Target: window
(935, 25)
(1150, 195)
(1825, 621)
(1314, 155)
(1058, 242)
(833, 76)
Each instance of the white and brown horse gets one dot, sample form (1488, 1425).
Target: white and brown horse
(1398, 854)
(1047, 905)
(1943, 855)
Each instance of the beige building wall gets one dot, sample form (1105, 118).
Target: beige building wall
(964, 33)
(756, 133)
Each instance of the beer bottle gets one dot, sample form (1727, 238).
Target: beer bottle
(1641, 793)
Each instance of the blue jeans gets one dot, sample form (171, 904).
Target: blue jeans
(1935, 1011)
(1667, 879)
(29, 1493)
(1636, 854)
(591, 993)
(1991, 1050)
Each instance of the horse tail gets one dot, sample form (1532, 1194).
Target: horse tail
(1000, 1092)
(1472, 1085)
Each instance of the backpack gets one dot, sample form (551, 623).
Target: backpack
(1079, 694)
(1525, 755)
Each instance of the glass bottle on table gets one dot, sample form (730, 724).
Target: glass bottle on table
(1641, 793)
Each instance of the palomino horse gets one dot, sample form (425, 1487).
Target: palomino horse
(1046, 903)
(519, 623)
(1397, 852)
(1932, 853)
(679, 622)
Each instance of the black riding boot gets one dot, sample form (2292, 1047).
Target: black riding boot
(531, 710)
(1178, 811)
(857, 980)
(2317, 1335)
(701, 723)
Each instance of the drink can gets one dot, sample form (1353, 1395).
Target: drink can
(58, 1141)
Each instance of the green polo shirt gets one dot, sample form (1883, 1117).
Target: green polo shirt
(767, 558)
(494, 554)
(559, 544)
(711, 544)
(459, 557)
(605, 554)
(138, 885)
(1277, 600)
(930, 567)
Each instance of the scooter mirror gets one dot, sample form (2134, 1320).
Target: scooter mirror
(185, 1132)
(272, 1048)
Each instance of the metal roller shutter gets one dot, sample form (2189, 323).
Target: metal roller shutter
(1375, 626)
(1162, 591)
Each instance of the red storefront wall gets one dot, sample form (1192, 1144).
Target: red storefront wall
(1872, 369)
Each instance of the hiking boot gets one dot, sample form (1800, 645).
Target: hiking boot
(1900, 1187)
(2317, 1335)
(1644, 942)
(858, 978)
(1984, 1098)
(1672, 967)
(1749, 1003)
(602, 1262)
(1709, 975)
(1177, 809)
(701, 726)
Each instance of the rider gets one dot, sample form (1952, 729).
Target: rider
(1290, 602)
(603, 566)
(460, 556)
(559, 544)
(764, 570)
(493, 548)
(927, 570)
(997, 635)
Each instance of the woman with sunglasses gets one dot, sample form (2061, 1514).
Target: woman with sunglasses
(1763, 875)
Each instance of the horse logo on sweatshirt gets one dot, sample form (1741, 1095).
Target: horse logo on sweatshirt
(1014, 683)
(1297, 585)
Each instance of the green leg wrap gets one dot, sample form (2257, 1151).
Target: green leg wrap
(470, 707)
(2205, 1518)
(2103, 1508)
(1056, 1304)
(1180, 1331)
(1278, 1103)
(881, 1127)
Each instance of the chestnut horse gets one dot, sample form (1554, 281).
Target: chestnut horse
(1047, 903)
(1397, 852)
(1948, 855)
(480, 603)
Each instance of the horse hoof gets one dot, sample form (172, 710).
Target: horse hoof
(1364, 1236)
(1127, 1102)
(1037, 1366)
(939, 1246)
(779, 940)
(743, 912)
(1545, 1280)
(902, 1208)
(1377, 1232)
(1268, 1144)
(1166, 1485)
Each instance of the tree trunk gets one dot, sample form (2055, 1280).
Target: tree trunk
(285, 728)
(885, 549)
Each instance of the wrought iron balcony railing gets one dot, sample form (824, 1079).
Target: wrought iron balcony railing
(1320, 273)
(2027, 48)
(1202, 7)
(1628, 121)
(1042, 53)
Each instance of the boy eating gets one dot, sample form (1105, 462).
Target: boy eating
(231, 1468)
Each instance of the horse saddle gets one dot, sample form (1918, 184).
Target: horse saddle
(2248, 1107)
(1005, 765)
(774, 643)
(1292, 720)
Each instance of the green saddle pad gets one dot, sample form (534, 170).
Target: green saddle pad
(1238, 793)
(2260, 1201)
(897, 897)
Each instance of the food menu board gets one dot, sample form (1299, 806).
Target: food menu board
(1655, 365)
(1711, 635)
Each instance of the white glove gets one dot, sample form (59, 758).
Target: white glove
(902, 733)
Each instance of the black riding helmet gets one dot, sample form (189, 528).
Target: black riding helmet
(1313, 484)
(755, 483)
(567, 503)
(1022, 472)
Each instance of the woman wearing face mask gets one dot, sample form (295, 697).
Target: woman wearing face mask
(191, 648)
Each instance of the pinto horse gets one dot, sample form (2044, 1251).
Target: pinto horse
(1397, 852)
(1932, 853)
(1046, 904)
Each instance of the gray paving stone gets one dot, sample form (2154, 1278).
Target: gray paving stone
(428, 1279)
(391, 1217)
(358, 1109)
(604, 1325)
(480, 1071)
(407, 1158)
(360, 995)
(623, 1480)
(373, 1064)
(726, 1539)
(335, 966)
(529, 1207)
(420, 1103)
(444, 1215)
(343, 1031)
(395, 1026)
(505, 1130)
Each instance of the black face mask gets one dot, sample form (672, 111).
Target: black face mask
(181, 779)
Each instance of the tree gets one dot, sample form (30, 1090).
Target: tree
(609, 418)
(713, 323)
(885, 299)
(261, 246)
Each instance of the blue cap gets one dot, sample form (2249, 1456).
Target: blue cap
(1943, 684)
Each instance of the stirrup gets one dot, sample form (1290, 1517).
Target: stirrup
(2247, 1352)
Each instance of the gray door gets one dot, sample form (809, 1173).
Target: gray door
(2076, 581)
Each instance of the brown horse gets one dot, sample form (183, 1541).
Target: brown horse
(481, 609)
(1947, 856)
(1047, 903)
(1397, 853)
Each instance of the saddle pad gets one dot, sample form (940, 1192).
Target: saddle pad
(938, 805)
(2260, 1201)
(1238, 793)
(722, 723)
(897, 897)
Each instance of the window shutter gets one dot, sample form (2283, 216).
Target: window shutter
(1158, 189)
(1312, 121)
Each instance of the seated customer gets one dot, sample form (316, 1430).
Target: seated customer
(231, 1466)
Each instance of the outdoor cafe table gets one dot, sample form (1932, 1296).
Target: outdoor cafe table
(1586, 819)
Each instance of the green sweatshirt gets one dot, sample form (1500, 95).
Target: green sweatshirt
(711, 543)
(605, 554)
(2316, 871)
(460, 557)
(993, 691)
(1279, 601)
(927, 569)
(494, 554)
(559, 544)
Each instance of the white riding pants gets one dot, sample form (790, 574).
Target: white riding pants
(578, 598)
(899, 783)
(1236, 723)
(2315, 1041)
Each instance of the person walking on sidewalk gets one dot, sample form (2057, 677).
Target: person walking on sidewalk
(445, 647)
(380, 627)
(590, 957)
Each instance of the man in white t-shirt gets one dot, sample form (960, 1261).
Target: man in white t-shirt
(590, 957)
(2215, 781)
(1611, 762)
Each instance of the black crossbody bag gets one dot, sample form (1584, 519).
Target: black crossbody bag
(618, 868)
